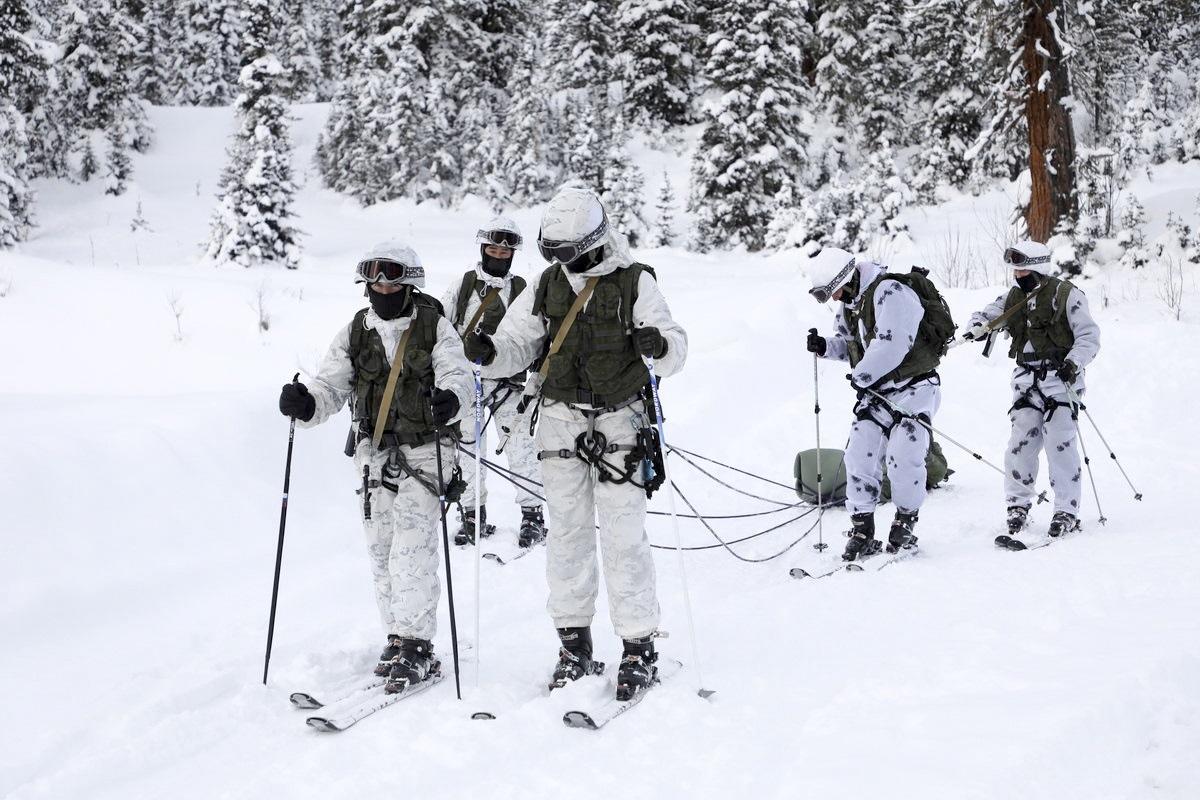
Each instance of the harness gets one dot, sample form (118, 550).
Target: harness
(1049, 404)
(868, 404)
(643, 459)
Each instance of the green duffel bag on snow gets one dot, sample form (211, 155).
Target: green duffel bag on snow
(832, 470)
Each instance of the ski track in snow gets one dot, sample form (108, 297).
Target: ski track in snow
(140, 481)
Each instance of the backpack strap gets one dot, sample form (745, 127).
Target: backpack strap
(464, 296)
(492, 296)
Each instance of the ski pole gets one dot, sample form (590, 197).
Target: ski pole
(1075, 406)
(437, 445)
(287, 480)
(479, 521)
(687, 598)
(1075, 398)
(820, 545)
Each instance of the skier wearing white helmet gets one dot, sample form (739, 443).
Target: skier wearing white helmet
(1053, 339)
(480, 300)
(400, 366)
(592, 317)
(892, 329)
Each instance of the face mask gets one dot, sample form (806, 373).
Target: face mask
(496, 267)
(586, 261)
(850, 290)
(1028, 283)
(390, 306)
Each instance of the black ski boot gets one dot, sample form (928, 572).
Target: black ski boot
(413, 664)
(637, 670)
(1063, 522)
(385, 658)
(574, 657)
(466, 531)
(862, 537)
(533, 527)
(900, 537)
(1018, 518)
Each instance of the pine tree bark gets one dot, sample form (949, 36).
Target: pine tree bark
(1051, 134)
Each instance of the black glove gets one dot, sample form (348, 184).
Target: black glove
(649, 342)
(445, 406)
(816, 342)
(295, 401)
(1068, 372)
(479, 347)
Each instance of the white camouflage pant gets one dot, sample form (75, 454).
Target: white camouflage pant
(577, 502)
(402, 537)
(904, 448)
(521, 450)
(1034, 430)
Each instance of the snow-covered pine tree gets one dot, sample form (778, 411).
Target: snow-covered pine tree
(1132, 234)
(577, 43)
(524, 161)
(118, 167)
(156, 53)
(299, 27)
(664, 223)
(621, 182)
(753, 145)
(16, 197)
(252, 223)
(208, 56)
(656, 40)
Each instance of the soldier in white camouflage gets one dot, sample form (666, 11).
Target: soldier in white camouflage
(593, 316)
(395, 446)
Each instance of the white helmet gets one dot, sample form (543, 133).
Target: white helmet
(391, 262)
(500, 231)
(829, 270)
(1030, 255)
(574, 223)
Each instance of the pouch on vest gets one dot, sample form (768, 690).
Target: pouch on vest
(937, 471)
(832, 469)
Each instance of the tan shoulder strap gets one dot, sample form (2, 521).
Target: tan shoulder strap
(487, 300)
(567, 322)
(389, 389)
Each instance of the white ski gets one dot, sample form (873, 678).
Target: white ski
(338, 692)
(608, 710)
(342, 715)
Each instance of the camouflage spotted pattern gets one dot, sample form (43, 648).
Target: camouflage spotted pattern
(1033, 432)
(904, 449)
(577, 503)
(403, 536)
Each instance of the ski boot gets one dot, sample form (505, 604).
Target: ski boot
(533, 527)
(385, 658)
(1018, 518)
(413, 664)
(1063, 522)
(574, 657)
(466, 531)
(637, 671)
(862, 537)
(900, 537)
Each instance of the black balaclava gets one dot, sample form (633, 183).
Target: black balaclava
(391, 306)
(1028, 283)
(850, 289)
(586, 261)
(496, 267)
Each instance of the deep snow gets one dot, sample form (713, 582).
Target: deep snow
(139, 495)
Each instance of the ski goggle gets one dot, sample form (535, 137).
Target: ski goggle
(501, 238)
(1014, 257)
(381, 270)
(565, 252)
(823, 293)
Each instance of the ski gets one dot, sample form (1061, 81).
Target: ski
(501, 560)
(798, 573)
(338, 693)
(901, 555)
(599, 716)
(342, 715)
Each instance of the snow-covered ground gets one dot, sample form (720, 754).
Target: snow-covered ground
(140, 473)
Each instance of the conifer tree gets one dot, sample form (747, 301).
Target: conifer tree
(16, 197)
(252, 223)
(655, 40)
(208, 57)
(664, 227)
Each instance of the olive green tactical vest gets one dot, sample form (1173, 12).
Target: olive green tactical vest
(1045, 326)
(924, 356)
(597, 363)
(410, 416)
(493, 314)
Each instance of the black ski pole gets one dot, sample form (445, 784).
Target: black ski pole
(1075, 398)
(437, 445)
(1087, 462)
(820, 545)
(287, 480)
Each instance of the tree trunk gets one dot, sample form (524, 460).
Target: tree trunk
(1051, 134)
